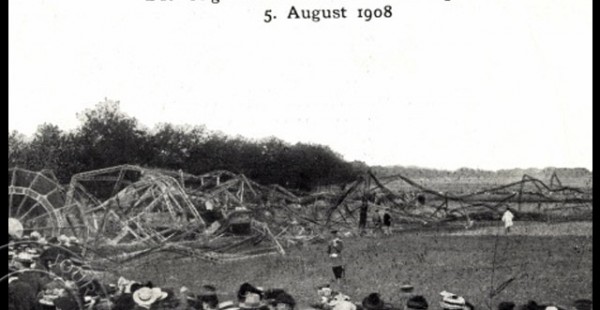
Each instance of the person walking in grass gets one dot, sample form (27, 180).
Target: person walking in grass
(334, 250)
(387, 223)
(507, 218)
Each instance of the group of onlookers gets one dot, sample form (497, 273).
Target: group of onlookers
(34, 283)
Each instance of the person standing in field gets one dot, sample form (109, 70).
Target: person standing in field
(334, 250)
(387, 223)
(507, 218)
(362, 222)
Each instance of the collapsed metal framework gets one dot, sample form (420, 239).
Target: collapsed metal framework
(141, 210)
(409, 205)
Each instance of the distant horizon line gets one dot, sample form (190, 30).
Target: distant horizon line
(415, 167)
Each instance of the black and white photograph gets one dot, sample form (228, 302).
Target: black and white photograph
(300, 155)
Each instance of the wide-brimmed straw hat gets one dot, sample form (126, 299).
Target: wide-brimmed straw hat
(252, 301)
(452, 301)
(228, 305)
(145, 296)
(344, 305)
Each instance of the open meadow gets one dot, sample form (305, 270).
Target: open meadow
(546, 262)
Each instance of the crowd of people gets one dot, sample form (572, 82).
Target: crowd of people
(38, 280)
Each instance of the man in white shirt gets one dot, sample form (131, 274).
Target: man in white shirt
(507, 218)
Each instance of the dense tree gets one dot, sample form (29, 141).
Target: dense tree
(108, 137)
(17, 147)
(171, 146)
(46, 148)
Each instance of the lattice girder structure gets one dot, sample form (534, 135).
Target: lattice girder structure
(36, 200)
(132, 204)
(443, 206)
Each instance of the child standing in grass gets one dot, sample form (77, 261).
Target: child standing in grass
(507, 218)
(334, 249)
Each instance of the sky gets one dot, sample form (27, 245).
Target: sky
(492, 84)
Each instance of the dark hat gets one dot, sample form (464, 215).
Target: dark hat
(532, 305)
(417, 302)
(66, 303)
(134, 287)
(207, 290)
(582, 304)
(373, 302)
(271, 294)
(506, 305)
(208, 294)
(285, 298)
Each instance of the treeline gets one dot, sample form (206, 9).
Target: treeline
(107, 137)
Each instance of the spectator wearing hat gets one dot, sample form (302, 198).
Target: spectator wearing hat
(374, 302)
(145, 297)
(124, 301)
(453, 302)
(416, 302)
(325, 294)
(208, 298)
(582, 304)
(334, 250)
(253, 301)
(341, 301)
(271, 295)
(246, 288)
(284, 301)
(532, 305)
(506, 305)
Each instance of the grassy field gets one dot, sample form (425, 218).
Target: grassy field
(547, 267)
